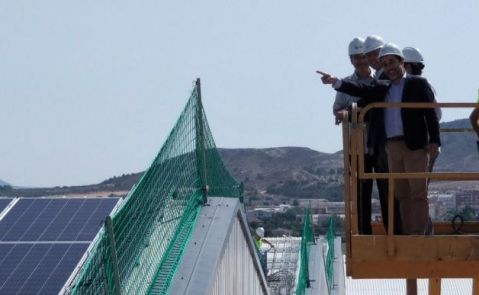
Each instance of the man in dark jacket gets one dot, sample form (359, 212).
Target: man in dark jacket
(376, 142)
(411, 135)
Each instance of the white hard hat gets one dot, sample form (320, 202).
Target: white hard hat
(260, 232)
(412, 54)
(373, 42)
(356, 46)
(390, 49)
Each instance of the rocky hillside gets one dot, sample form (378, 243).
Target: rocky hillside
(458, 150)
(295, 172)
(287, 171)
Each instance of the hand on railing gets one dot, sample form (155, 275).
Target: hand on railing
(339, 116)
(271, 249)
(433, 150)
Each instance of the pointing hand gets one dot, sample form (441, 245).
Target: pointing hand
(327, 78)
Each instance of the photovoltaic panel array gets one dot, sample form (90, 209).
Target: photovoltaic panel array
(43, 239)
(37, 268)
(55, 219)
(4, 203)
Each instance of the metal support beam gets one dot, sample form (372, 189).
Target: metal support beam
(200, 143)
(434, 286)
(390, 230)
(475, 286)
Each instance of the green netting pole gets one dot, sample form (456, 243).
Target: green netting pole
(113, 257)
(241, 190)
(307, 230)
(200, 143)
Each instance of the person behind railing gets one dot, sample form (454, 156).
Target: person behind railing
(362, 74)
(372, 46)
(376, 141)
(258, 241)
(412, 135)
(376, 156)
(414, 64)
(474, 119)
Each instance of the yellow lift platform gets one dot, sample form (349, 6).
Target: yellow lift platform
(385, 255)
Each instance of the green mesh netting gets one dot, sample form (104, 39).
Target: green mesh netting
(307, 238)
(330, 236)
(139, 248)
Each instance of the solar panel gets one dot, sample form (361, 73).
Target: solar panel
(42, 241)
(37, 268)
(55, 219)
(4, 203)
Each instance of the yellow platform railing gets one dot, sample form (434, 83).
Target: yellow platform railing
(385, 255)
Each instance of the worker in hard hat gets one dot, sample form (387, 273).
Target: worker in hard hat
(259, 238)
(376, 156)
(414, 64)
(474, 119)
(413, 60)
(362, 74)
(376, 143)
(411, 135)
(372, 46)
(258, 241)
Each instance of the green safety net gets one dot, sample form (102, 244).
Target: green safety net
(330, 236)
(140, 246)
(307, 238)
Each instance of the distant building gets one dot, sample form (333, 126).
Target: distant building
(266, 212)
(468, 198)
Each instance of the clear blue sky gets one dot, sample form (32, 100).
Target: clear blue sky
(90, 89)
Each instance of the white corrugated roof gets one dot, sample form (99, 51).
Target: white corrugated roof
(398, 286)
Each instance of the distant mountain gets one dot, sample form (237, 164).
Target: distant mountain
(4, 183)
(120, 184)
(458, 150)
(291, 172)
(294, 172)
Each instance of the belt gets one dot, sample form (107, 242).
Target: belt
(396, 138)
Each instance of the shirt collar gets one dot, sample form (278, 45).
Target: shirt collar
(355, 75)
(401, 82)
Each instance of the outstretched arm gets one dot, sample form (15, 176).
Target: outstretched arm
(268, 242)
(327, 78)
(369, 93)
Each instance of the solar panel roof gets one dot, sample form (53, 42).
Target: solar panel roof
(37, 268)
(4, 203)
(55, 219)
(42, 241)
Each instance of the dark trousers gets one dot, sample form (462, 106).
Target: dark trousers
(380, 165)
(263, 259)
(365, 190)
